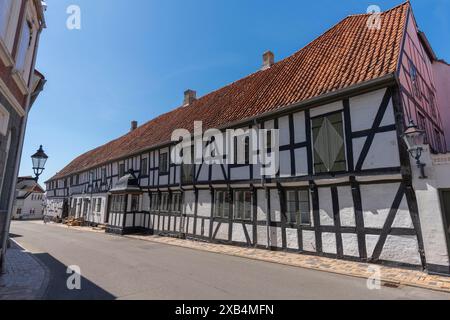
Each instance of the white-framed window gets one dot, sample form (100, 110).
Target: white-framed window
(164, 203)
(118, 203)
(121, 170)
(9, 16)
(243, 205)
(298, 207)
(164, 163)
(99, 205)
(135, 200)
(144, 167)
(4, 120)
(25, 47)
(176, 202)
(154, 202)
(85, 206)
(222, 204)
(329, 143)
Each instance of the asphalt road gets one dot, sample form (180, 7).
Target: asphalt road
(113, 267)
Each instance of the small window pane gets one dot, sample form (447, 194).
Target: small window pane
(163, 163)
(144, 167)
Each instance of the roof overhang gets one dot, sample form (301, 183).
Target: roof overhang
(38, 86)
(128, 184)
(426, 44)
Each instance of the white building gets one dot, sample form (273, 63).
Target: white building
(346, 187)
(30, 200)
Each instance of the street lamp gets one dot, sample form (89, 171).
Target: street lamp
(414, 139)
(39, 159)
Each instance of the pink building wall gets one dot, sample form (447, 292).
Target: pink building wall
(441, 72)
(418, 91)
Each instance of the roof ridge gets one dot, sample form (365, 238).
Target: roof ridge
(382, 12)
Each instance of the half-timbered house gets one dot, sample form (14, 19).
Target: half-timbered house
(344, 188)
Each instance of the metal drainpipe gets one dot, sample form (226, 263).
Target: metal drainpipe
(5, 231)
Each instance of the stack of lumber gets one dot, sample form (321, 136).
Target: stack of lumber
(75, 222)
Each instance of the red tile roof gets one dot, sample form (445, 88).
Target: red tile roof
(349, 53)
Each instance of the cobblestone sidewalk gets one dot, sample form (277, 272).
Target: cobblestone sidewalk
(25, 278)
(389, 276)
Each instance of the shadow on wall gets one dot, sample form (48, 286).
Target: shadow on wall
(57, 287)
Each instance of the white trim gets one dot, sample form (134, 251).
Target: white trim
(18, 78)
(7, 43)
(23, 77)
(5, 55)
(4, 120)
(11, 99)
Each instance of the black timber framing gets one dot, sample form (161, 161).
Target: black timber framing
(283, 216)
(388, 223)
(407, 172)
(316, 216)
(337, 221)
(376, 125)
(359, 218)
(317, 228)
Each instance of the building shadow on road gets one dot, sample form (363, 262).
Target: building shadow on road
(57, 287)
(13, 236)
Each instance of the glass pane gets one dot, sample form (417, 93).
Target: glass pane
(292, 217)
(219, 204)
(23, 46)
(305, 213)
(248, 206)
(303, 195)
(5, 9)
(226, 205)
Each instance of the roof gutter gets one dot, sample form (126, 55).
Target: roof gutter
(359, 88)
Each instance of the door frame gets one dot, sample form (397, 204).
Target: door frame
(444, 217)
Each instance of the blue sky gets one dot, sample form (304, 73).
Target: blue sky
(132, 60)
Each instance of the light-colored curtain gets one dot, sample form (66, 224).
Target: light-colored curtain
(328, 144)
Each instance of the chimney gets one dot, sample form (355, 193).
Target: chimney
(268, 60)
(134, 125)
(189, 97)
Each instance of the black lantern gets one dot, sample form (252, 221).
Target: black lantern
(414, 139)
(39, 159)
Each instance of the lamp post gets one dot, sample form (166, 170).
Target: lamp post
(39, 159)
(414, 139)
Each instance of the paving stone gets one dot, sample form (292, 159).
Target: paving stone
(24, 278)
